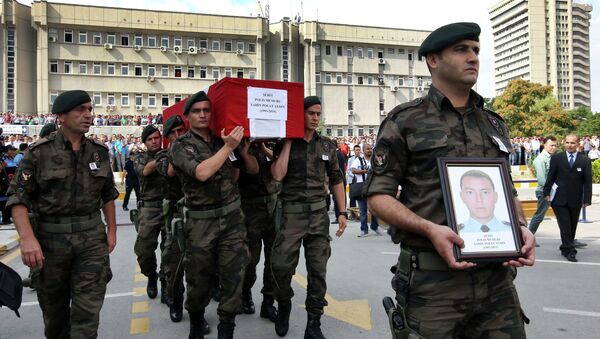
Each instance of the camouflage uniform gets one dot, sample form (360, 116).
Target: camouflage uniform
(172, 254)
(65, 189)
(214, 227)
(439, 302)
(151, 218)
(259, 197)
(305, 220)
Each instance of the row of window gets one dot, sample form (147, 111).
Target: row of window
(360, 131)
(10, 69)
(369, 80)
(360, 52)
(123, 99)
(67, 67)
(152, 41)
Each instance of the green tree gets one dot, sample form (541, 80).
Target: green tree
(530, 109)
(589, 123)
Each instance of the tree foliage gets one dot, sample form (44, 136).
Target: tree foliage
(530, 109)
(589, 123)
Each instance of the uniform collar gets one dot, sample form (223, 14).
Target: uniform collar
(64, 143)
(440, 101)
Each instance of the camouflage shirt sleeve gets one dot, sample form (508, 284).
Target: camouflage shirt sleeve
(23, 185)
(333, 167)
(109, 191)
(139, 162)
(162, 163)
(184, 158)
(389, 160)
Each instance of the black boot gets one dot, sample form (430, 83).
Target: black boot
(176, 309)
(282, 324)
(164, 295)
(247, 303)
(152, 288)
(267, 310)
(198, 325)
(225, 330)
(313, 327)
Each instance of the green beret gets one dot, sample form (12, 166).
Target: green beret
(68, 100)
(147, 131)
(311, 100)
(47, 129)
(448, 35)
(172, 122)
(200, 96)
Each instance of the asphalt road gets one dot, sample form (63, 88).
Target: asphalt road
(562, 299)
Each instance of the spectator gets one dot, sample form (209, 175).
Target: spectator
(360, 168)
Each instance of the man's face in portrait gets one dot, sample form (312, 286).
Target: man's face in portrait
(479, 196)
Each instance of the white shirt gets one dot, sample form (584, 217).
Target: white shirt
(357, 165)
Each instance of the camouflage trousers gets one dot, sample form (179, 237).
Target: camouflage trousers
(71, 285)
(151, 225)
(215, 247)
(310, 229)
(260, 226)
(172, 264)
(475, 303)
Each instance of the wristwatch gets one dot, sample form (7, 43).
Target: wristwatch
(345, 214)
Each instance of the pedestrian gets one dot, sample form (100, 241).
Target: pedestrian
(63, 180)
(214, 227)
(360, 168)
(303, 166)
(571, 171)
(131, 181)
(450, 121)
(542, 164)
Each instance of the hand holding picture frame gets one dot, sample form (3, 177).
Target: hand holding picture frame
(480, 208)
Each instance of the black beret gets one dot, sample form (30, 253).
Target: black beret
(68, 100)
(448, 35)
(172, 122)
(147, 131)
(200, 96)
(311, 100)
(47, 129)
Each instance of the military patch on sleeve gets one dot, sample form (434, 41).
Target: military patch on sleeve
(380, 158)
(26, 175)
(96, 157)
(189, 148)
(496, 124)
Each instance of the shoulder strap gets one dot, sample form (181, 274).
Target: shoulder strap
(362, 165)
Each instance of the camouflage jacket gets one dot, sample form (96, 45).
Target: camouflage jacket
(261, 184)
(173, 189)
(414, 135)
(310, 165)
(52, 179)
(152, 186)
(186, 153)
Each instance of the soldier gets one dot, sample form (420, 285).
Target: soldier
(214, 227)
(476, 300)
(62, 181)
(304, 166)
(151, 218)
(259, 197)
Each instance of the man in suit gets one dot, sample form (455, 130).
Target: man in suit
(572, 173)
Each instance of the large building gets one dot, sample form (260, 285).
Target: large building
(544, 41)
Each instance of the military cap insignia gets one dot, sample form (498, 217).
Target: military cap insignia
(380, 158)
(496, 124)
(26, 175)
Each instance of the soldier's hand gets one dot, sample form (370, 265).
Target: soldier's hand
(443, 239)
(528, 250)
(232, 140)
(244, 146)
(111, 240)
(31, 252)
(342, 227)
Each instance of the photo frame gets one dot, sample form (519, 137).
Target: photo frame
(480, 208)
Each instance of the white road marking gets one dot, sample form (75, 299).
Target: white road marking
(391, 253)
(114, 295)
(568, 262)
(573, 312)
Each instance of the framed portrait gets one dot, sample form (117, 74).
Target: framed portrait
(480, 208)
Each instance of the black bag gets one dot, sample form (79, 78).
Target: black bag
(11, 288)
(356, 188)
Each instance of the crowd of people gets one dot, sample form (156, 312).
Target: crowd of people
(9, 118)
(526, 148)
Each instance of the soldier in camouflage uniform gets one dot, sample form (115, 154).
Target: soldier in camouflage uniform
(151, 219)
(62, 181)
(304, 166)
(214, 227)
(440, 297)
(259, 197)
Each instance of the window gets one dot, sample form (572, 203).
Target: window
(53, 96)
(177, 42)
(381, 105)
(370, 53)
(349, 52)
(151, 41)
(240, 73)
(164, 100)
(252, 74)
(97, 39)
(340, 50)
(68, 36)
(240, 45)
(111, 38)
(359, 52)
(360, 80)
(164, 41)
(410, 82)
(327, 78)
(251, 47)
(338, 78)
(177, 98)
(420, 82)
(191, 72)
(52, 34)
(327, 49)
(152, 100)
(138, 40)
(203, 43)
(381, 81)
(124, 69)
(124, 39)
(350, 132)
(318, 77)
(151, 70)
(391, 50)
(97, 99)
(138, 70)
(340, 132)
(228, 45)
(380, 53)
(216, 45)
(401, 82)
(349, 79)
(53, 66)
(110, 69)
(361, 132)
(178, 71)
(215, 73)
(203, 72)
(369, 80)
(82, 68)
(164, 71)
(97, 69)
(83, 37)
(371, 130)
(228, 72)
(139, 101)
(400, 50)
(191, 43)
(125, 100)
(110, 99)
(317, 50)
(410, 56)
(350, 104)
(328, 131)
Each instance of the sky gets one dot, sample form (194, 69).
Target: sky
(407, 14)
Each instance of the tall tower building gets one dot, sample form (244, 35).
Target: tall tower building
(544, 41)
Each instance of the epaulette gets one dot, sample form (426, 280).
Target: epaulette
(402, 107)
(493, 113)
(99, 143)
(42, 141)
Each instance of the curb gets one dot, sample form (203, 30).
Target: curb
(9, 239)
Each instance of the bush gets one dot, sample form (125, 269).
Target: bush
(596, 171)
